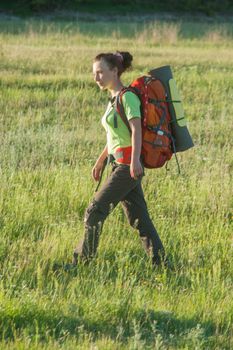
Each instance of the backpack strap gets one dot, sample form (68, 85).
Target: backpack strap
(120, 108)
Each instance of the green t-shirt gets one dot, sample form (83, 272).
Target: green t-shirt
(120, 136)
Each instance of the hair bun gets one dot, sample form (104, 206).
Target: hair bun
(127, 59)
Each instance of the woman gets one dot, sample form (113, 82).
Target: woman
(124, 183)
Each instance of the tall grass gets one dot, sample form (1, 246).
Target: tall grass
(50, 137)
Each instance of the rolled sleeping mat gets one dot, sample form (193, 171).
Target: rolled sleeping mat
(182, 137)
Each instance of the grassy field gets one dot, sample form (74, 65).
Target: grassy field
(50, 111)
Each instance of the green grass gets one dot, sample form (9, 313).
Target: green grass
(50, 111)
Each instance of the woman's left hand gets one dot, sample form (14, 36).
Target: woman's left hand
(136, 169)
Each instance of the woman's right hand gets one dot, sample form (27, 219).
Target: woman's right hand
(96, 170)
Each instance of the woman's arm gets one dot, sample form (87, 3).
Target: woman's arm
(103, 154)
(96, 170)
(135, 167)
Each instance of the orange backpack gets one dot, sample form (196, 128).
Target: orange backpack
(157, 140)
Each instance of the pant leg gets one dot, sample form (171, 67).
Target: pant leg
(135, 208)
(115, 188)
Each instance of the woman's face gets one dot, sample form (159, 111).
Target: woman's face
(103, 75)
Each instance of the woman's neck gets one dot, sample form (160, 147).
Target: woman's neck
(116, 89)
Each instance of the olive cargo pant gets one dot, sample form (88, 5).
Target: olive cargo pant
(120, 187)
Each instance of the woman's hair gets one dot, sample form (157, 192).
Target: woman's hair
(121, 60)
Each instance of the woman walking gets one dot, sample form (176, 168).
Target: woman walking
(123, 149)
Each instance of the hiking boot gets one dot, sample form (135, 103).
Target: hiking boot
(77, 257)
(158, 261)
(73, 265)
